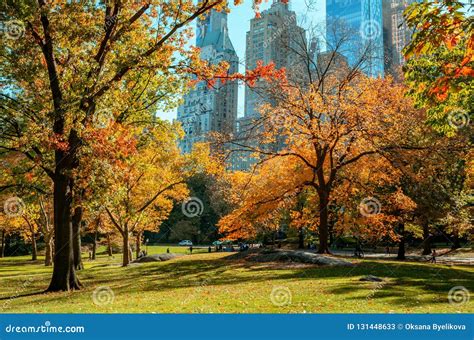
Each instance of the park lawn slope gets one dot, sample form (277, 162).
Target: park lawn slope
(206, 283)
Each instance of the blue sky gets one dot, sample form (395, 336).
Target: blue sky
(239, 23)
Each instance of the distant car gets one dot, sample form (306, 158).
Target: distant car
(185, 243)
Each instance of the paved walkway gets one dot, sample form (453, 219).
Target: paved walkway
(446, 259)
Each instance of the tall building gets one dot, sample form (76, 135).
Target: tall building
(205, 109)
(398, 34)
(378, 22)
(274, 36)
(356, 29)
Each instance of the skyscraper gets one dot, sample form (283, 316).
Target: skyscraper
(356, 29)
(211, 109)
(398, 34)
(272, 38)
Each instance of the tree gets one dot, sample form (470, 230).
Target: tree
(147, 181)
(440, 63)
(436, 183)
(8, 225)
(78, 59)
(329, 121)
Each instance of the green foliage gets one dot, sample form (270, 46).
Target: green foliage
(421, 74)
(440, 65)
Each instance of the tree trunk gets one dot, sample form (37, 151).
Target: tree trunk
(34, 249)
(457, 242)
(64, 274)
(2, 250)
(94, 245)
(323, 223)
(300, 238)
(126, 248)
(138, 244)
(426, 239)
(48, 258)
(331, 235)
(109, 246)
(401, 244)
(76, 238)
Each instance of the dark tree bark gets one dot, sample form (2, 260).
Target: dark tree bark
(64, 274)
(426, 239)
(300, 238)
(126, 258)
(76, 238)
(323, 223)
(31, 227)
(94, 244)
(401, 244)
(109, 246)
(34, 248)
(2, 250)
(456, 241)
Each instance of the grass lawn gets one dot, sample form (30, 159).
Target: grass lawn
(207, 283)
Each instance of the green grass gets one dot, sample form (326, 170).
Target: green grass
(162, 249)
(208, 283)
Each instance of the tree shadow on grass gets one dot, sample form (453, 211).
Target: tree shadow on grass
(402, 278)
(36, 293)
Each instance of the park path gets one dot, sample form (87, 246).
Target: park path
(445, 259)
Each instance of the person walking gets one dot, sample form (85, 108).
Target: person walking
(433, 256)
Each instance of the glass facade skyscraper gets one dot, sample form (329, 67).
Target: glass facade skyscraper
(355, 28)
